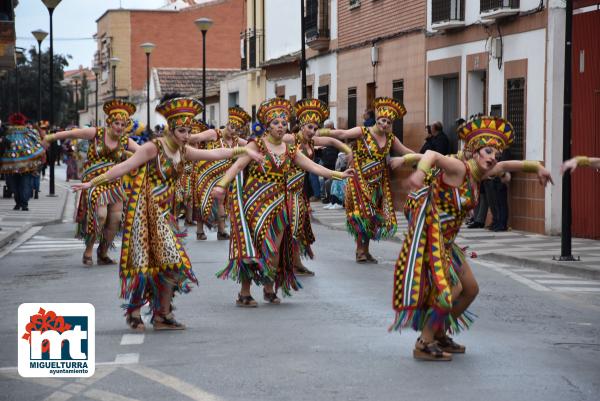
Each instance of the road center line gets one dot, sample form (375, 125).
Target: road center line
(132, 339)
(127, 359)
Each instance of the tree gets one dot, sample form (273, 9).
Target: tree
(28, 88)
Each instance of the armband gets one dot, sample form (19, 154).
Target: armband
(583, 161)
(324, 132)
(410, 158)
(530, 166)
(424, 166)
(99, 180)
(337, 175)
(239, 151)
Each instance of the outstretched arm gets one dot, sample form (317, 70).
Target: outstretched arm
(579, 161)
(526, 166)
(204, 136)
(454, 169)
(308, 165)
(132, 146)
(339, 145)
(143, 154)
(79, 133)
(219, 190)
(407, 159)
(399, 148)
(341, 134)
(193, 154)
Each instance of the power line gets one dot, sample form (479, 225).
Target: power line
(61, 39)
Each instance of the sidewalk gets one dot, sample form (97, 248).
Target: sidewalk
(517, 248)
(45, 210)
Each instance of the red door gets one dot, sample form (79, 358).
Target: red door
(586, 120)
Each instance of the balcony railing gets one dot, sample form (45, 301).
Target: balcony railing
(316, 24)
(491, 5)
(447, 10)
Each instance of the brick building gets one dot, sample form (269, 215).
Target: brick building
(178, 43)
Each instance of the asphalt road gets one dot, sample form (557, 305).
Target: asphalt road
(531, 341)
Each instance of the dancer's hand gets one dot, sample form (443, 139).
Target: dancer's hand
(81, 186)
(569, 165)
(544, 176)
(256, 156)
(396, 162)
(416, 179)
(348, 173)
(218, 193)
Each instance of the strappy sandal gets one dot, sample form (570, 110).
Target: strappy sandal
(430, 352)
(371, 259)
(167, 322)
(447, 344)
(271, 297)
(222, 236)
(303, 271)
(135, 322)
(362, 258)
(87, 260)
(201, 236)
(105, 260)
(246, 301)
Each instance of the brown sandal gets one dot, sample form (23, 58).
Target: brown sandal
(271, 297)
(430, 352)
(201, 236)
(361, 258)
(246, 301)
(303, 271)
(105, 260)
(87, 260)
(222, 236)
(447, 344)
(167, 322)
(135, 322)
(371, 259)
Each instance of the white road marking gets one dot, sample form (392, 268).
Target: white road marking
(132, 339)
(58, 396)
(576, 289)
(568, 282)
(22, 238)
(127, 359)
(173, 383)
(507, 272)
(102, 395)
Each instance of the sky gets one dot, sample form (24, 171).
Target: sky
(73, 19)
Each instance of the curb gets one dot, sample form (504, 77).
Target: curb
(550, 266)
(23, 229)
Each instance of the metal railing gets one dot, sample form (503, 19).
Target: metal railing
(490, 5)
(447, 10)
(316, 21)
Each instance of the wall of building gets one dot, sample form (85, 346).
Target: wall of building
(282, 28)
(323, 71)
(116, 25)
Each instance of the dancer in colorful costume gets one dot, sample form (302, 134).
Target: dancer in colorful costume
(310, 113)
(101, 207)
(153, 261)
(21, 157)
(259, 208)
(369, 209)
(209, 173)
(433, 282)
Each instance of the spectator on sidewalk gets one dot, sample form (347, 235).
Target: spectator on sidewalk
(368, 118)
(436, 139)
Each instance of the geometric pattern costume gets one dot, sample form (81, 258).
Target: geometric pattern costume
(430, 261)
(152, 255)
(259, 211)
(24, 153)
(368, 202)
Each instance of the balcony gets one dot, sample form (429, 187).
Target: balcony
(316, 24)
(447, 14)
(495, 9)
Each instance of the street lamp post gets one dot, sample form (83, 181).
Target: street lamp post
(77, 100)
(19, 53)
(148, 47)
(51, 5)
(203, 25)
(39, 36)
(114, 61)
(96, 74)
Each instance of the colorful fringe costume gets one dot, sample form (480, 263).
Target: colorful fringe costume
(152, 255)
(24, 153)
(208, 174)
(369, 208)
(259, 213)
(100, 158)
(430, 261)
(301, 229)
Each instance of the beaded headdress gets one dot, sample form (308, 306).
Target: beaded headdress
(238, 117)
(180, 111)
(198, 126)
(311, 111)
(389, 108)
(485, 131)
(118, 109)
(272, 109)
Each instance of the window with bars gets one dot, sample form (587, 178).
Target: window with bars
(354, 3)
(490, 5)
(515, 113)
(351, 107)
(323, 94)
(447, 10)
(398, 94)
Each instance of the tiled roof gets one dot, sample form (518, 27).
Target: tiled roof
(288, 58)
(188, 81)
